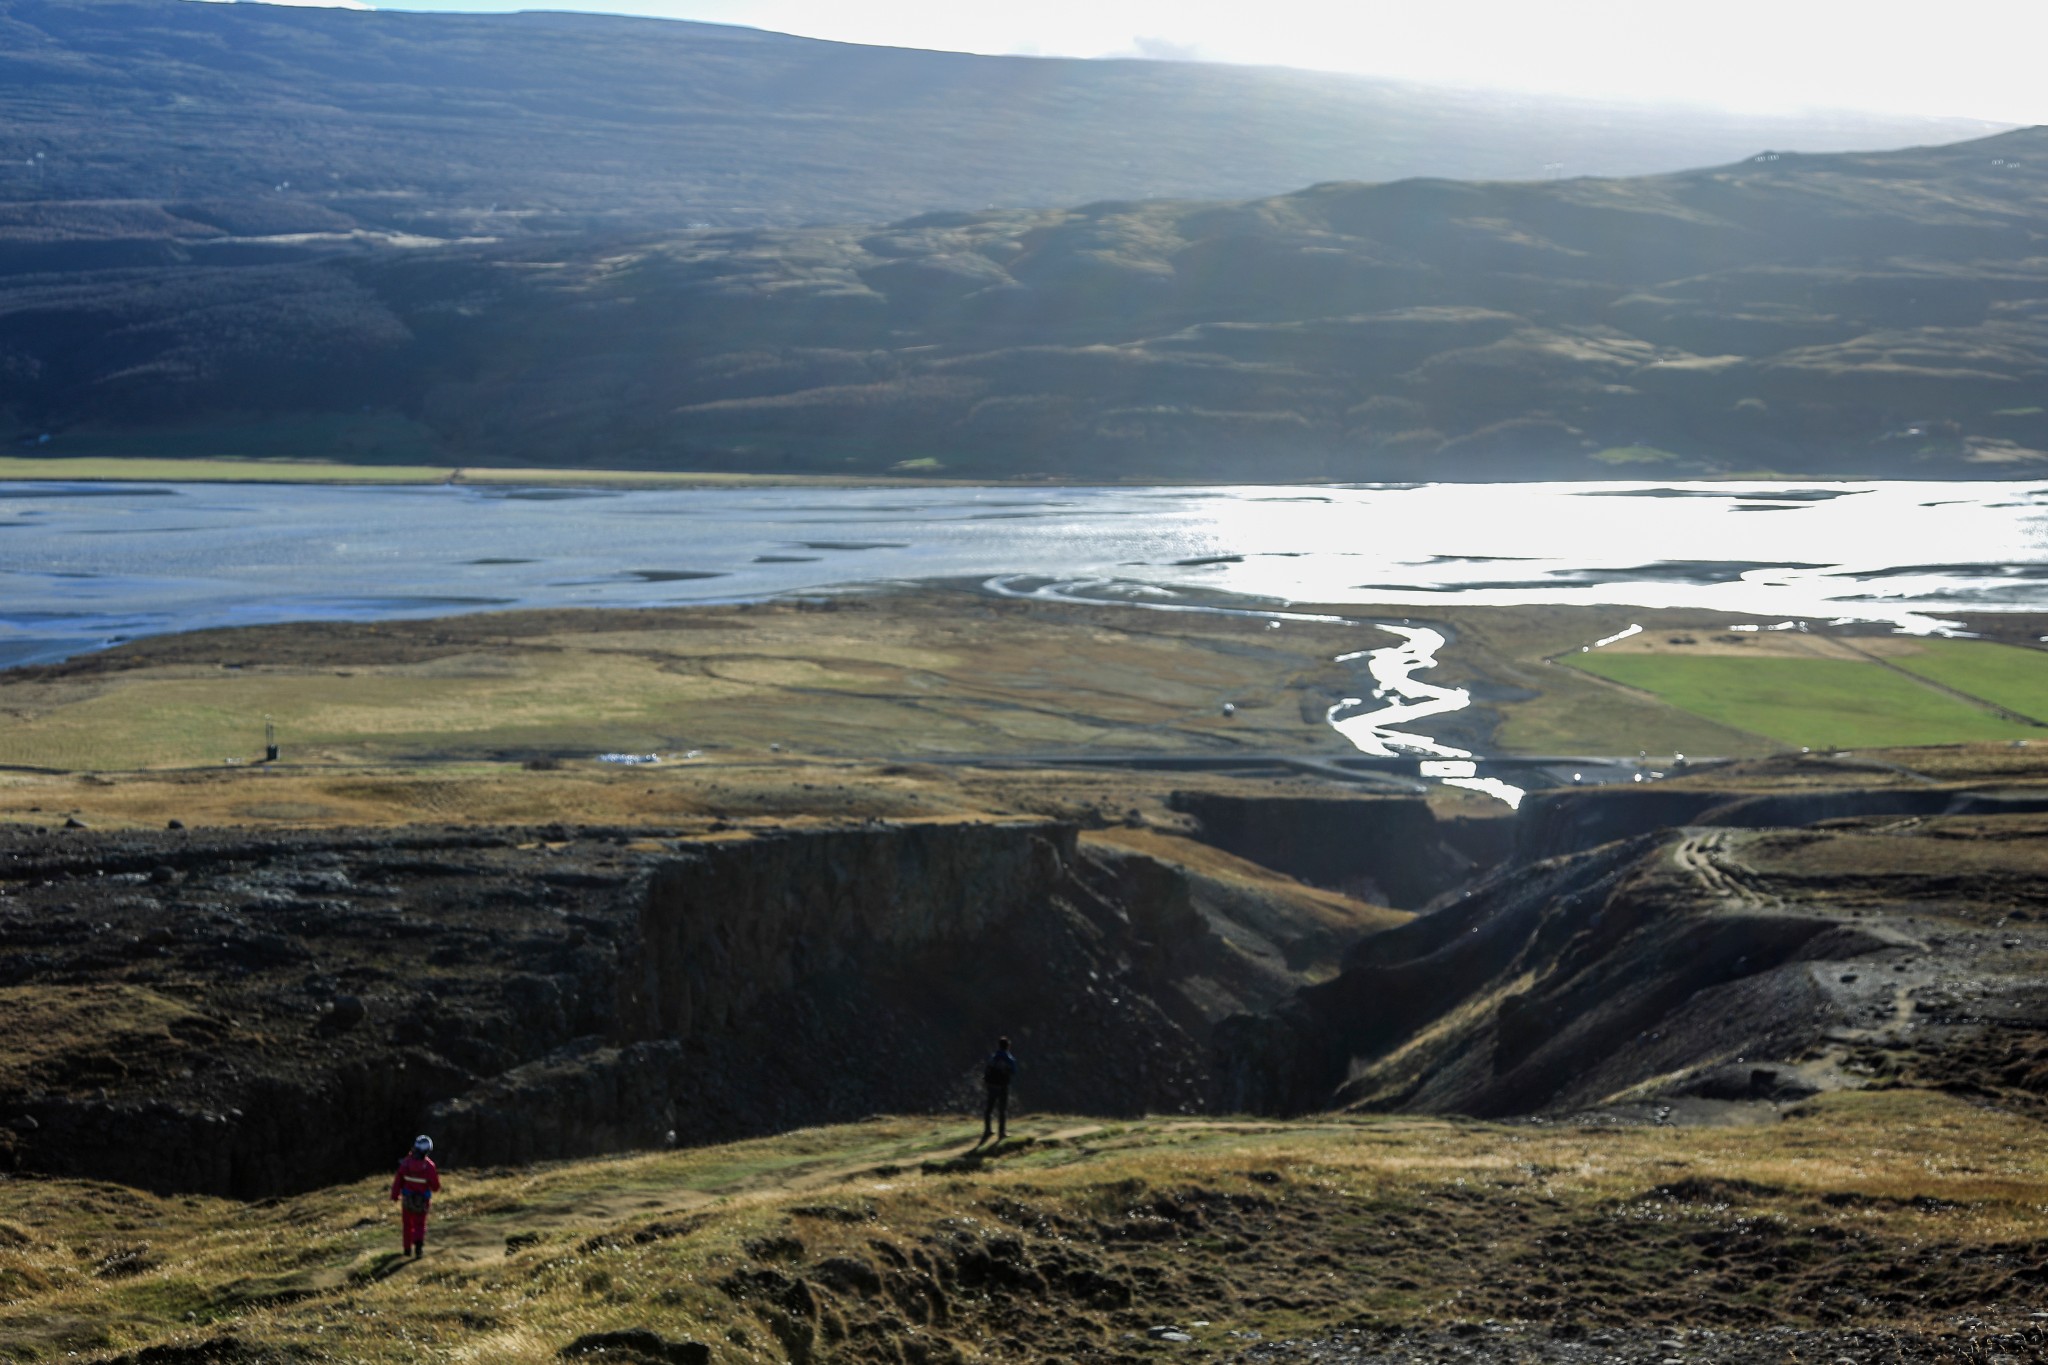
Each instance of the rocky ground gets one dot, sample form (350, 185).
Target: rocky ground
(237, 1013)
(1769, 1093)
(1517, 1344)
(1698, 966)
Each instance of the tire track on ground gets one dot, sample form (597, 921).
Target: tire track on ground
(1706, 856)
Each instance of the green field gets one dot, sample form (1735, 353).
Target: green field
(1820, 703)
(2016, 679)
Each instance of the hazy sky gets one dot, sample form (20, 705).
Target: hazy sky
(1981, 58)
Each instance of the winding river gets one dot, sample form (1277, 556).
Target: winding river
(83, 566)
(1399, 698)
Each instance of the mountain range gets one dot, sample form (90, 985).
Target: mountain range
(570, 240)
(510, 124)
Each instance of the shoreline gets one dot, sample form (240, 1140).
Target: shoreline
(338, 474)
(313, 472)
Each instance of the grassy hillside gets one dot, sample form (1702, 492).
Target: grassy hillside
(258, 119)
(950, 677)
(1839, 314)
(905, 676)
(571, 240)
(2016, 679)
(1820, 703)
(1899, 1222)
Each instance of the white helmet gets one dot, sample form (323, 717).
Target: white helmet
(423, 1143)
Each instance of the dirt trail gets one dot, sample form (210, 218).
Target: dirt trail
(477, 1241)
(481, 1240)
(1707, 855)
(1898, 1022)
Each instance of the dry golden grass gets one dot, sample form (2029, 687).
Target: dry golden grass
(932, 675)
(74, 1032)
(1422, 1222)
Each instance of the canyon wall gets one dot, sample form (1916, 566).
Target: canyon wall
(1392, 850)
(825, 976)
(249, 1014)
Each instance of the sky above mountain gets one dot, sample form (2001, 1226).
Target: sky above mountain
(1973, 58)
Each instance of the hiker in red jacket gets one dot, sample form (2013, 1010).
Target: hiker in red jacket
(415, 1184)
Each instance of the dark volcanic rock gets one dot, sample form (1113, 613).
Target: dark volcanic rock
(1570, 820)
(1389, 850)
(822, 976)
(282, 1011)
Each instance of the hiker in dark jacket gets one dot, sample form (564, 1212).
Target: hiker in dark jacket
(995, 1078)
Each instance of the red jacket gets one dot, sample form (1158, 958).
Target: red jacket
(416, 1173)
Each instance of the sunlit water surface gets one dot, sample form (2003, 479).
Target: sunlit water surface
(82, 566)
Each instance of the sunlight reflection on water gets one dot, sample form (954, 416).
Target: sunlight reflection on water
(82, 566)
(1393, 671)
(80, 563)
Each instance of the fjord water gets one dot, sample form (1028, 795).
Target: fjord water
(83, 565)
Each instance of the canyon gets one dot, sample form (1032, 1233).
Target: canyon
(252, 1013)
(1743, 1059)
(246, 1015)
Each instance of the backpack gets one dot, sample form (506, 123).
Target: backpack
(997, 1072)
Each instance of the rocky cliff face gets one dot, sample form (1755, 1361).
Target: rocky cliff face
(249, 1014)
(819, 977)
(1391, 850)
(823, 977)
(728, 926)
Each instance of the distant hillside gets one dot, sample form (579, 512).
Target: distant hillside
(1865, 314)
(260, 118)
